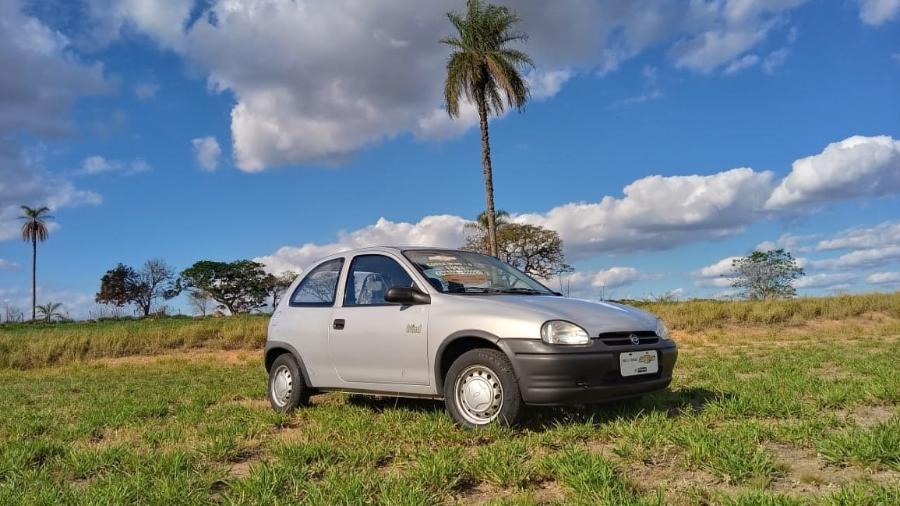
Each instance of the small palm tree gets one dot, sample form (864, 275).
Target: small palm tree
(501, 218)
(49, 310)
(483, 68)
(34, 229)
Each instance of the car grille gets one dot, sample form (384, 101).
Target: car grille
(624, 338)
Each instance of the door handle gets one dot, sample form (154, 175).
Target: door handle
(338, 324)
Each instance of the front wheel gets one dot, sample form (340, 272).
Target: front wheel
(481, 388)
(287, 391)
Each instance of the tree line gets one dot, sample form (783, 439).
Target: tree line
(241, 286)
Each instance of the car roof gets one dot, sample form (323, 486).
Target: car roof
(381, 249)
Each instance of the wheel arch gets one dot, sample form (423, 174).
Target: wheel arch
(275, 349)
(460, 342)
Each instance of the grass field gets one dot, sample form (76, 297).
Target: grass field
(764, 409)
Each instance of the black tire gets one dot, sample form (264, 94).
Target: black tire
(486, 369)
(299, 391)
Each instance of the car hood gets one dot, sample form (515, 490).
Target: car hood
(595, 317)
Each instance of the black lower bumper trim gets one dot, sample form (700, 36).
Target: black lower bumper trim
(562, 375)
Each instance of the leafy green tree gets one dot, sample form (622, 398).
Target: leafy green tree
(117, 286)
(124, 285)
(240, 286)
(49, 311)
(534, 250)
(34, 230)
(278, 284)
(766, 275)
(485, 69)
(156, 280)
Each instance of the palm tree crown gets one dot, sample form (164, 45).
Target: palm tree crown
(482, 66)
(35, 226)
(501, 218)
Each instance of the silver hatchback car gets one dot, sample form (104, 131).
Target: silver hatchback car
(457, 325)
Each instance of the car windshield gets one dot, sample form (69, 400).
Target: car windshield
(472, 273)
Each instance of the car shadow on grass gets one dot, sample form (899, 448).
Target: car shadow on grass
(379, 403)
(672, 403)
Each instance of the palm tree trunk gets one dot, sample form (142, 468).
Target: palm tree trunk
(33, 277)
(488, 174)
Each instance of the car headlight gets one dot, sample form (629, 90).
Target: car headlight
(563, 332)
(661, 330)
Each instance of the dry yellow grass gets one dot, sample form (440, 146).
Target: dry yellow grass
(24, 346)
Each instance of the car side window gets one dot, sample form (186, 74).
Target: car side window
(370, 276)
(319, 287)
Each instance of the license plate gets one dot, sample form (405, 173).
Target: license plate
(638, 362)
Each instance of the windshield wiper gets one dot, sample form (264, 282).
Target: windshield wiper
(473, 289)
(524, 291)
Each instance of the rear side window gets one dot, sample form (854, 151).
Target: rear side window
(370, 277)
(318, 288)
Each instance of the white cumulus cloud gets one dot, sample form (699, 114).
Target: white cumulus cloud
(860, 258)
(599, 284)
(207, 152)
(877, 12)
(717, 274)
(96, 164)
(441, 231)
(883, 234)
(854, 167)
(884, 278)
(825, 280)
(659, 212)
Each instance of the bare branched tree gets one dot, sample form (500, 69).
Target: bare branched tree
(201, 302)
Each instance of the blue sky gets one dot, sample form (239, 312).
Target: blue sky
(285, 130)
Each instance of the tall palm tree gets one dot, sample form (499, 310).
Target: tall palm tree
(34, 229)
(485, 69)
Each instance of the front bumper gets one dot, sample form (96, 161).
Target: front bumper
(553, 375)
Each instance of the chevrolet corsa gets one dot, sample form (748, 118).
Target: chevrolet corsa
(465, 327)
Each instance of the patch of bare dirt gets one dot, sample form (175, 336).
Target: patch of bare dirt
(868, 416)
(671, 475)
(831, 370)
(239, 470)
(240, 465)
(479, 493)
(549, 492)
(804, 473)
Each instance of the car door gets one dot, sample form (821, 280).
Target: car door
(305, 321)
(373, 341)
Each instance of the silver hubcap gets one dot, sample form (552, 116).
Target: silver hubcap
(479, 394)
(282, 385)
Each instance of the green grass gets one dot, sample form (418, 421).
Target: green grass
(748, 420)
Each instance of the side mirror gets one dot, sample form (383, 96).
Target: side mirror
(406, 295)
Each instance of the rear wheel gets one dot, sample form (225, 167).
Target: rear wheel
(481, 388)
(287, 391)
